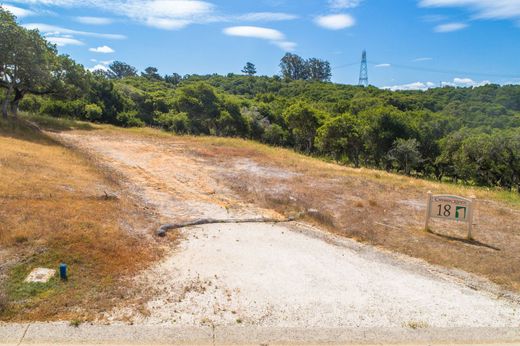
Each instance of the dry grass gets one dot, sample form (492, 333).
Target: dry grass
(53, 209)
(375, 207)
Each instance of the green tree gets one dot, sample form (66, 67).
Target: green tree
(274, 134)
(341, 137)
(173, 79)
(201, 103)
(120, 70)
(293, 67)
(386, 124)
(151, 73)
(29, 64)
(303, 121)
(405, 153)
(318, 70)
(249, 69)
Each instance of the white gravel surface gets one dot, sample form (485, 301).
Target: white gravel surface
(274, 275)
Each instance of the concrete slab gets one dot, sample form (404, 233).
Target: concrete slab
(11, 334)
(41, 275)
(63, 333)
(88, 334)
(246, 335)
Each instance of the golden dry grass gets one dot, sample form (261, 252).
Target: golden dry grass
(53, 209)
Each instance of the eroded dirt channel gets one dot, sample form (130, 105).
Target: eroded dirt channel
(285, 275)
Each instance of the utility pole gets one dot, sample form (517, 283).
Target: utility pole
(363, 73)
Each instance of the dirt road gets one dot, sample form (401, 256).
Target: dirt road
(284, 275)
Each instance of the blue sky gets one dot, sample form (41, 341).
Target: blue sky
(411, 44)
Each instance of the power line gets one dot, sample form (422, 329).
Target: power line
(426, 69)
(346, 65)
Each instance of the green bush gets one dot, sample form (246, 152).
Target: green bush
(93, 112)
(275, 135)
(70, 109)
(176, 122)
(129, 119)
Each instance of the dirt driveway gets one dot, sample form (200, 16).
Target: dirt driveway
(284, 275)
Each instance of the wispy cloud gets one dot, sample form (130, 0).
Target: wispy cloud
(335, 21)
(422, 59)
(164, 14)
(483, 9)
(53, 30)
(94, 20)
(161, 14)
(267, 16)
(450, 27)
(286, 46)
(18, 11)
(342, 4)
(65, 41)
(102, 49)
(274, 36)
(383, 65)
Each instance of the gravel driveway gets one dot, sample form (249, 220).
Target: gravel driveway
(284, 275)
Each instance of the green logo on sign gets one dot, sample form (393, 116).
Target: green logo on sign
(458, 211)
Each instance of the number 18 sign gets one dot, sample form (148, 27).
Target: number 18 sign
(449, 207)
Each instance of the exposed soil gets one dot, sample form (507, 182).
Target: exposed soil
(286, 275)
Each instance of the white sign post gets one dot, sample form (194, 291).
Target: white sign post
(449, 207)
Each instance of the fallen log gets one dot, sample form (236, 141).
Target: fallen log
(161, 231)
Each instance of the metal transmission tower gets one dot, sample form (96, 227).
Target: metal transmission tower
(363, 73)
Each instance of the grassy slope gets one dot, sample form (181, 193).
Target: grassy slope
(52, 210)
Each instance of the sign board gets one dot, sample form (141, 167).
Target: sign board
(449, 207)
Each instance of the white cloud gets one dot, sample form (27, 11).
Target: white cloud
(98, 67)
(422, 59)
(267, 16)
(167, 23)
(412, 86)
(383, 65)
(255, 32)
(341, 4)
(94, 20)
(450, 27)
(52, 30)
(483, 9)
(286, 45)
(465, 82)
(335, 21)
(102, 49)
(460, 82)
(17, 11)
(163, 14)
(274, 36)
(64, 41)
